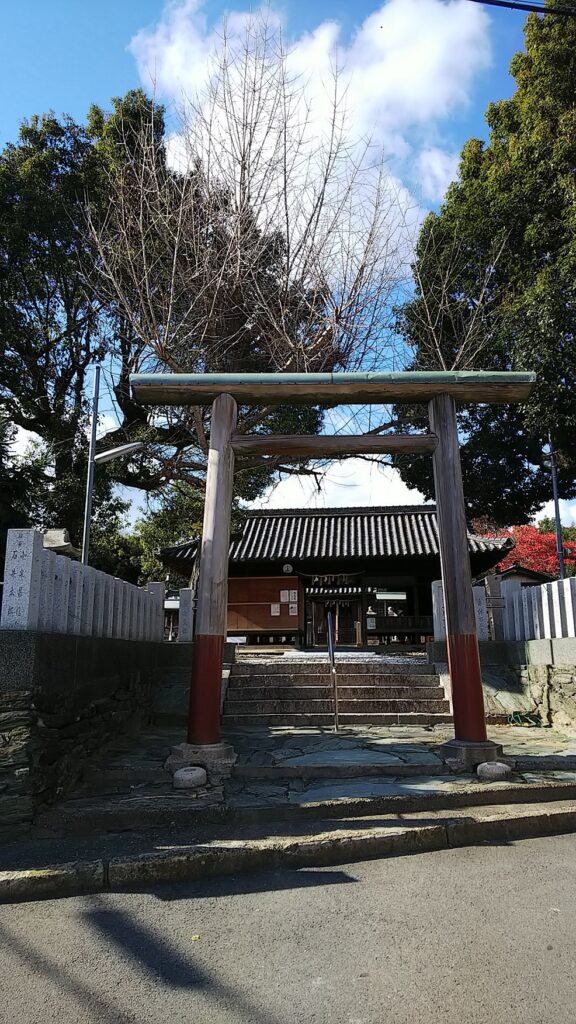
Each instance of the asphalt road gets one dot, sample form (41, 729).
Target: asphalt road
(473, 936)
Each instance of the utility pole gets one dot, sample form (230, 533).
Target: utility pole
(559, 543)
(90, 475)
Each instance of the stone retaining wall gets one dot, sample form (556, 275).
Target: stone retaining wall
(552, 692)
(529, 677)
(61, 699)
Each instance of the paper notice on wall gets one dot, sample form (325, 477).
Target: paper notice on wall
(294, 596)
(274, 609)
(293, 609)
(285, 596)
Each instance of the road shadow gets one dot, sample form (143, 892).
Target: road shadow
(246, 883)
(163, 963)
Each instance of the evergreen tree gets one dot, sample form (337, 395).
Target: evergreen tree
(495, 275)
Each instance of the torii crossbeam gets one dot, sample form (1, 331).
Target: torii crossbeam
(440, 391)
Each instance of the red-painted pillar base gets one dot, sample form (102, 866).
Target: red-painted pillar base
(467, 693)
(204, 711)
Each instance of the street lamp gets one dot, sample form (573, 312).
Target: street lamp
(558, 521)
(93, 458)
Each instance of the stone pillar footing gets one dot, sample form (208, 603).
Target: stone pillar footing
(470, 752)
(217, 758)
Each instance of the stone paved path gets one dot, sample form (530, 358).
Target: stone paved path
(276, 744)
(279, 766)
(375, 761)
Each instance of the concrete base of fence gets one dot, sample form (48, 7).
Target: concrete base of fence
(561, 651)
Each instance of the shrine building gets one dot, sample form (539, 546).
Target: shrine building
(372, 567)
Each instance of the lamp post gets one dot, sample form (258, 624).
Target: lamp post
(558, 521)
(93, 458)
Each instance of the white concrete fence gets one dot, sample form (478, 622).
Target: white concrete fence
(506, 610)
(50, 593)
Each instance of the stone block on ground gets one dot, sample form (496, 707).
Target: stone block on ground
(217, 758)
(492, 771)
(191, 777)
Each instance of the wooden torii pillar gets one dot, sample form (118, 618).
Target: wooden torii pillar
(461, 638)
(212, 591)
(441, 391)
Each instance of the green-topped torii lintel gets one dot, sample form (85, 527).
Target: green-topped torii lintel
(331, 388)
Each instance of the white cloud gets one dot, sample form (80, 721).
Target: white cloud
(349, 483)
(408, 66)
(437, 170)
(414, 60)
(106, 423)
(567, 512)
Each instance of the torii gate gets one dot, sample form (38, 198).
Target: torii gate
(441, 391)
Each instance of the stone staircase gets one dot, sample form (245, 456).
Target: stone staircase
(299, 692)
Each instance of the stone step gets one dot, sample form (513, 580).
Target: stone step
(344, 679)
(347, 770)
(310, 707)
(347, 718)
(93, 817)
(100, 779)
(258, 693)
(296, 668)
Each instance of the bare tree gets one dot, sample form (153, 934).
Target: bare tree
(266, 238)
(448, 317)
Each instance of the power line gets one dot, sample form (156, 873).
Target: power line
(557, 12)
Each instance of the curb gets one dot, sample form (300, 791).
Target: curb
(73, 879)
(122, 874)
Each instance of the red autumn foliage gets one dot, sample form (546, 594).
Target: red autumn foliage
(534, 550)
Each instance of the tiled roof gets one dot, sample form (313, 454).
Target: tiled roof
(341, 533)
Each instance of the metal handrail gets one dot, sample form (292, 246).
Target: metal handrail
(332, 662)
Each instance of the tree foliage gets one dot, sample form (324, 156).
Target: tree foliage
(536, 550)
(50, 330)
(495, 275)
(55, 323)
(547, 525)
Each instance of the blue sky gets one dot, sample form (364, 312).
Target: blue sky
(423, 72)
(63, 55)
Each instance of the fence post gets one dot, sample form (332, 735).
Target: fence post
(438, 613)
(528, 613)
(568, 588)
(508, 589)
(558, 609)
(495, 604)
(118, 622)
(87, 614)
(536, 597)
(63, 573)
(157, 592)
(185, 616)
(547, 631)
(519, 631)
(22, 580)
(99, 601)
(481, 612)
(47, 581)
(126, 610)
(75, 598)
(109, 595)
(134, 608)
